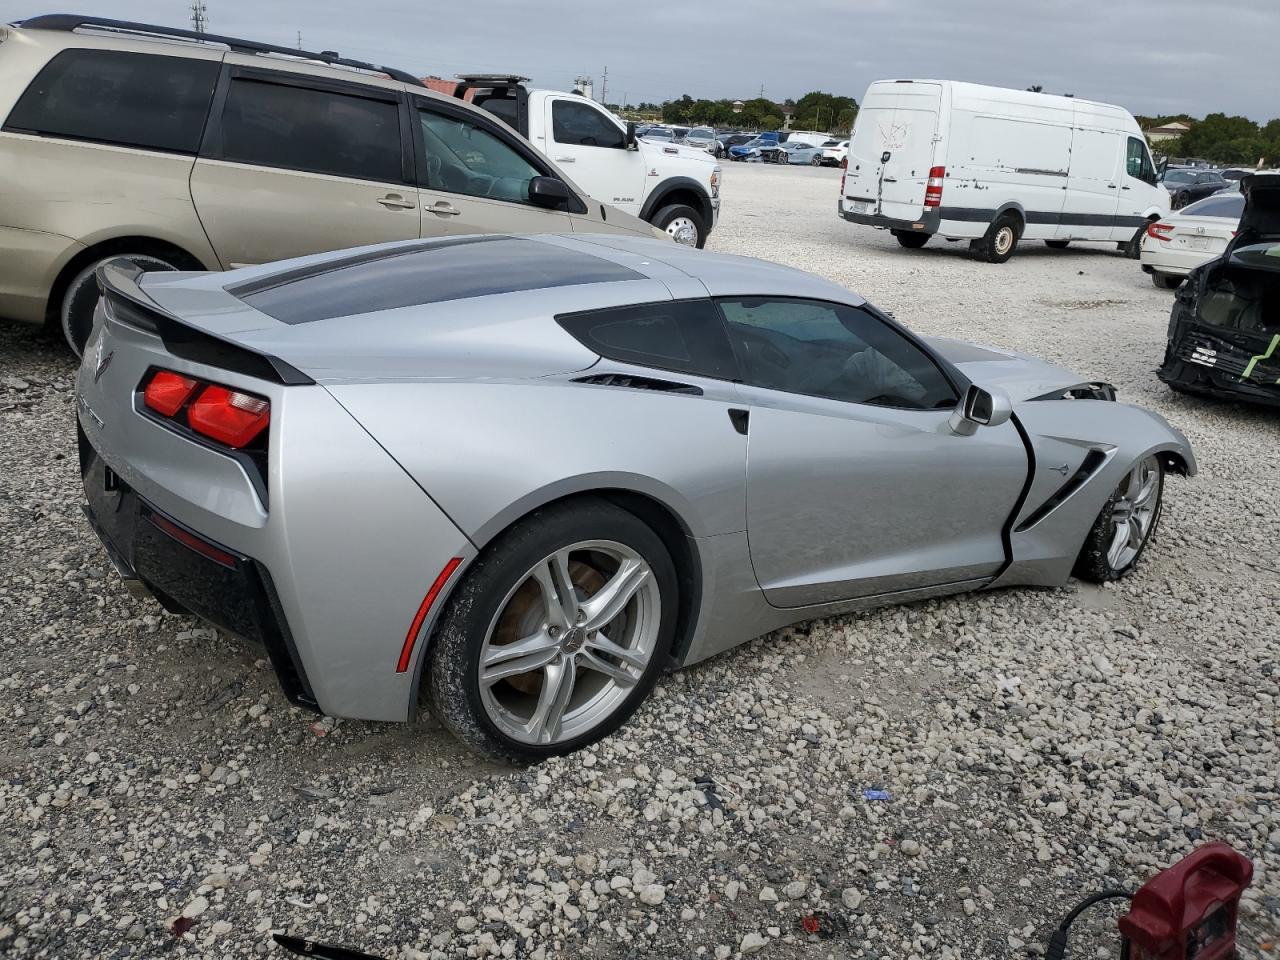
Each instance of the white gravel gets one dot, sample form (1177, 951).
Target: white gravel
(150, 771)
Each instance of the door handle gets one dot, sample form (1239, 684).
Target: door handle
(1112, 186)
(566, 159)
(1124, 188)
(393, 201)
(444, 208)
(890, 179)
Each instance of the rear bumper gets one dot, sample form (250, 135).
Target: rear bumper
(928, 223)
(187, 572)
(1200, 362)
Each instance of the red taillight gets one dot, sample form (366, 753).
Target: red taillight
(933, 190)
(167, 392)
(229, 416)
(406, 652)
(1159, 231)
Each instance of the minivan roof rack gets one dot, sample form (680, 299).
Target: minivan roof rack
(70, 21)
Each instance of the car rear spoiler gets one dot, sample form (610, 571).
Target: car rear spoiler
(127, 303)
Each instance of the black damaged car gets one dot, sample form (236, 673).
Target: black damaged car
(1224, 334)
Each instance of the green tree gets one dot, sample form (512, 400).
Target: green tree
(817, 110)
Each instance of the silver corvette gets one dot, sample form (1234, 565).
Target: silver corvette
(528, 474)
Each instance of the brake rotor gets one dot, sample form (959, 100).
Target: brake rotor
(524, 614)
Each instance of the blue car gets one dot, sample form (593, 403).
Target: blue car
(751, 149)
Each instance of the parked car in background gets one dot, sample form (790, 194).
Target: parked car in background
(996, 166)
(1178, 243)
(1235, 174)
(1187, 186)
(797, 153)
(725, 141)
(701, 138)
(114, 140)
(752, 149)
(833, 153)
(258, 453)
(1224, 330)
(806, 136)
(673, 186)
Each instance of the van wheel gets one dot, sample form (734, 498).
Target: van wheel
(684, 225)
(1001, 239)
(1133, 246)
(81, 297)
(1057, 244)
(910, 239)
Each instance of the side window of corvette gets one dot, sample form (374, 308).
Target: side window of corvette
(834, 351)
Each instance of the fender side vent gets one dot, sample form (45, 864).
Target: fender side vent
(1092, 461)
(639, 383)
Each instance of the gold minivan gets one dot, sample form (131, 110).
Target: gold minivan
(189, 151)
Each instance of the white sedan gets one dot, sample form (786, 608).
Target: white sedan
(1177, 244)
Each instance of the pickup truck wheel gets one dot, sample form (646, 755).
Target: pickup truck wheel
(81, 297)
(684, 224)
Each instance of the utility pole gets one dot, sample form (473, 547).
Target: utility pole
(199, 16)
(604, 85)
(299, 39)
(762, 91)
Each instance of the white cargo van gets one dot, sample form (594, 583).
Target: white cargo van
(995, 166)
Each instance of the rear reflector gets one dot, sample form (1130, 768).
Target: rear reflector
(1160, 231)
(167, 392)
(189, 539)
(229, 416)
(933, 190)
(410, 638)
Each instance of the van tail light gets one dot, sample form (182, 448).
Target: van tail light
(230, 417)
(1160, 231)
(167, 392)
(933, 190)
(842, 179)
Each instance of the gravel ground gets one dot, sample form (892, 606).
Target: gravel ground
(1035, 745)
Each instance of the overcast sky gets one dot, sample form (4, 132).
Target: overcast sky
(1151, 56)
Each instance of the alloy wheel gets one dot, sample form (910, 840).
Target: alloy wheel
(1134, 513)
(570, 641)
(683, 230)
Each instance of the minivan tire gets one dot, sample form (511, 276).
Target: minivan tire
(910, 239)
(666, 217)
(1001, 239)
(80, 299)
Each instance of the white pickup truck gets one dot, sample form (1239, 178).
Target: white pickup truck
(675, 188)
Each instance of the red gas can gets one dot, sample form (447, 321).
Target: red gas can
(1188, 912)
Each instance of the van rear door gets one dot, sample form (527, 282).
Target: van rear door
(892, 147)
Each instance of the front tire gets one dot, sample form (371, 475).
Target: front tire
(1124, 527)
(683, 223)
(80, 299)
(1180, 200)
(557, 634)
(910, 239)
(1001, 239)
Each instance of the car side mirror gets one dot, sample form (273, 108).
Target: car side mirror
(980, 407)
(548, 192)
(630, 142)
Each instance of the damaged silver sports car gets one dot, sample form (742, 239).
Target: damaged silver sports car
(529, 474)
(1224, 333)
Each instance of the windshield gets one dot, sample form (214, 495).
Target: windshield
(1179, 176)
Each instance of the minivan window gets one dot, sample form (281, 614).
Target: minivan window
(317, 131)
(463, 157)
(1138, 161)
(582, 125)
(117, 97)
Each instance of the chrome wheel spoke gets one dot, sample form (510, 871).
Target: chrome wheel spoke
(1147, 490)
(558, 594)
(618, 674)
(602, 644)
(524, 656)
(1120, 537)
(1135, 533)
(557, 687)
(611, 599)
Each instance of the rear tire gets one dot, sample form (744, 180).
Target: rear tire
(500, 585)
(683, 223)
(80, 299)
(1057, 244)
(1180, 200)
(1133, 246)
(1123, 529)
(1166, 282)
(910, 239)
(1001, 239)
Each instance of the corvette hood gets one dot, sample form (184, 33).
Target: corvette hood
(1023, 377)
